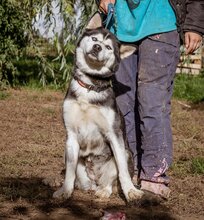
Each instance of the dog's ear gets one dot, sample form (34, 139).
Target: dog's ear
(95, 21)
(126, 50)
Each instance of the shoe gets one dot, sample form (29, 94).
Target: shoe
(158, 189)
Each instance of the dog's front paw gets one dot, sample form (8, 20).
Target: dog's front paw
(62, 193)
(103, 193)
(134, 194)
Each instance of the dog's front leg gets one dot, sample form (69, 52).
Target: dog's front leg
(71, 159)
(118, 148)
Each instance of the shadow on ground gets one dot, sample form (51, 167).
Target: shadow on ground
(32, 199)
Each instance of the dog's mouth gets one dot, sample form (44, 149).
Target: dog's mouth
(93, 55)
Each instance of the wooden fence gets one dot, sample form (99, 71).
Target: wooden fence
(191, 64)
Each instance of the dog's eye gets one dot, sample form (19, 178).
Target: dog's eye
(108, 47)
(94, 39)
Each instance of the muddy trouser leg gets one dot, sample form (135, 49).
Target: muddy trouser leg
(125, 89)
(158, 58)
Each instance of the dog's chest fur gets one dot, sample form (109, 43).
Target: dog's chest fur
(89, 122)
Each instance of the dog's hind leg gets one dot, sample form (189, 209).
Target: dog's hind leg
(82, 180)
(118, 148)
(108, 175)
(71, 157)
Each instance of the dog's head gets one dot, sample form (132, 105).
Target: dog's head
(98, 51)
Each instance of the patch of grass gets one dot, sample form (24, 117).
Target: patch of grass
(189, 87)
(49, 111)
(4, 95)
(15, 165)
(31, 73)
(34, 84)
(197, 165)
(180, 168)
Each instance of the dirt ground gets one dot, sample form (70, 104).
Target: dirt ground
(32, 140)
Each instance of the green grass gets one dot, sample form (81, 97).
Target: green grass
(180, 168)
(193, 166)
(4, 95)
(34, 84)
(197, 165)
(29, 69)
(189, 87)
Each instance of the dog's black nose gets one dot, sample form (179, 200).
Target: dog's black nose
(97, 47)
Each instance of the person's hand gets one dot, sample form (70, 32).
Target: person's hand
(104, 5)
(192, 42)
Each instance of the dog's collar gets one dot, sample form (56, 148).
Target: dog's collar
(92, 87)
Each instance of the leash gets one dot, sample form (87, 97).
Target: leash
(107, 18)
(110, 15)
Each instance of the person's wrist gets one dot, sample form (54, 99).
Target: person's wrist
(103, 5)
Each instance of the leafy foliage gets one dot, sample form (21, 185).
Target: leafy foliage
(12, 37)
(74, 15)
(17, 19)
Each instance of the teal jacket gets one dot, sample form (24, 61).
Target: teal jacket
(148, 18)
(189, 15)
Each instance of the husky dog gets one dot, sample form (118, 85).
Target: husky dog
(96, 150)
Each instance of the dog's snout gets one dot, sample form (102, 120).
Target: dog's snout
(97, 47)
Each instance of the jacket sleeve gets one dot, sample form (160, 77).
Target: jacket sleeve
(194, 20)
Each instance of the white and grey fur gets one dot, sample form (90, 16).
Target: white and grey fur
(96, 150)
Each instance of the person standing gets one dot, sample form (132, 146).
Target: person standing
(144, 81)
